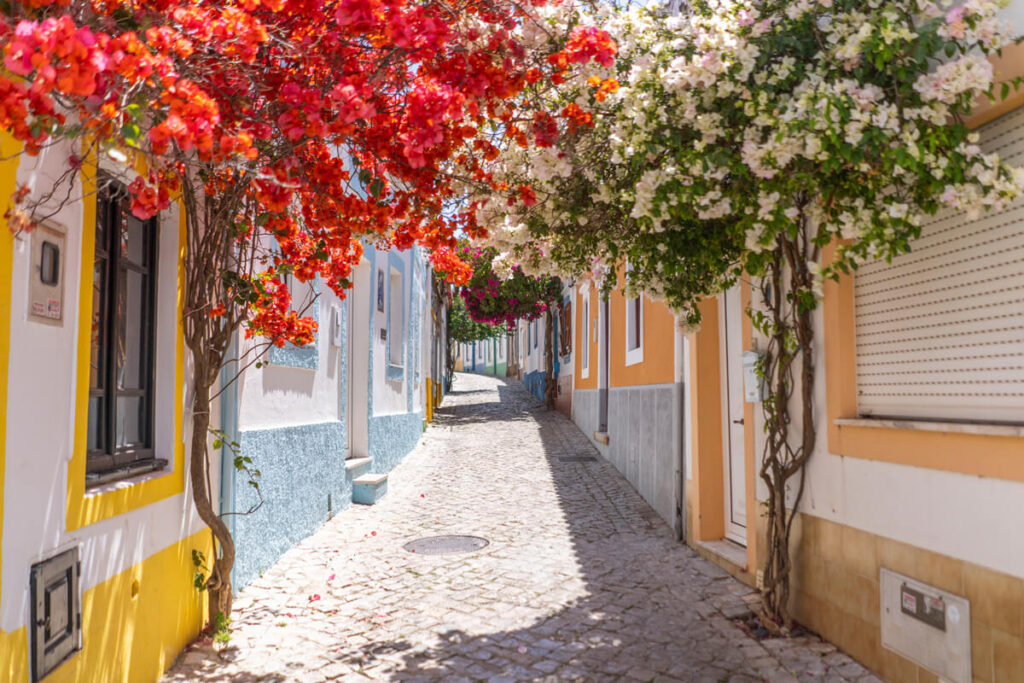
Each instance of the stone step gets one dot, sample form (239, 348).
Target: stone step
(367, 489)
(354, 467)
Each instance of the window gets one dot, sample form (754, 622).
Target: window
(940, 330)
(565, 338)
(533, 326)
(501, 349)
(585, 347)
(634, 330)
(395, 319)
(120, 431)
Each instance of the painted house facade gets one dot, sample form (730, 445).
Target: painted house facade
(627, 390)
(916, 486)
(915, 491)
(484, 356)
(326, 422)
(97, 525)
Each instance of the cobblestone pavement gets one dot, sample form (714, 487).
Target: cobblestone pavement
(580, 581)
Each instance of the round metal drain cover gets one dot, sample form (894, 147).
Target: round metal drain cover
(445, 545)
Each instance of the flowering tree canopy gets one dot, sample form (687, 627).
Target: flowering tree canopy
(718, 130)
(498, 293)
(290, 132)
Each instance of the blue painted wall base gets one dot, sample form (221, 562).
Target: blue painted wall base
(535, 382)
(303, 484)
(392, 437)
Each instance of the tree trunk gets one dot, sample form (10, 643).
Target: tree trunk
(550, 382)
(219, 581)
(788, 326)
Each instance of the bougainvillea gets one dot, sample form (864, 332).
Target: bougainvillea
(498, 293)
(290, 131)
(742, 137)
(719, 129)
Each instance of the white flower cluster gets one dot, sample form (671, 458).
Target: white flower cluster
(718, 129)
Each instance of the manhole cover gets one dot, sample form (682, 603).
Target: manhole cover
(576, 458)
(445, 545)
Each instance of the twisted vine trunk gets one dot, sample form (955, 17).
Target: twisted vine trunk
(219, 582)
(550, 384)
(213, 253)
(788, 367)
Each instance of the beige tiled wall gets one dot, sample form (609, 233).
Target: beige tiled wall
(836, 593)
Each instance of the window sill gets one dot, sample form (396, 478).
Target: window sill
(635, 356)
(130, 476)
(926, 426)
(394, 373)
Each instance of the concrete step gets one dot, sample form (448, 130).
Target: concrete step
(367, 489)
(354, 467)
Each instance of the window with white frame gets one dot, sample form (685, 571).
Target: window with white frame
(395, 316)
(634, 328)
(534, 326)
(501, 349)
(584, 346)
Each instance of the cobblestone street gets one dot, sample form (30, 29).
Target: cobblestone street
(580, 580)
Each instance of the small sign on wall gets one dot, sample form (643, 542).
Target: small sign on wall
(46, 279)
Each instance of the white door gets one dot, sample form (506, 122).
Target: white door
(734, 464)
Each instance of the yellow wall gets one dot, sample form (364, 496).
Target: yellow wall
(706, 493)
(134, 624)
(8, 181)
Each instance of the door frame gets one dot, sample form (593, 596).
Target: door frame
(359, 360)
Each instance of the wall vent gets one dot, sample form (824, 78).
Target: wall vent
(56, 612)
(926, 625)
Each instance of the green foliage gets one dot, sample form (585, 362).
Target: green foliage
(199, 562)
(463, 329)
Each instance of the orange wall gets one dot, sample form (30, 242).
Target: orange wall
(658, 365)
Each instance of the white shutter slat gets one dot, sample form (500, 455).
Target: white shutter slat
(940, 330)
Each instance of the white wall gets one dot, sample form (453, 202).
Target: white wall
(40, 423)
(966, 517)
(280, 395)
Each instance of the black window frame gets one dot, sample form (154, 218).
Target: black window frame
(107, 461)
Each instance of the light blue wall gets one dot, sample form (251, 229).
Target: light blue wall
(303, 478)
(302, 469)
(303, 484)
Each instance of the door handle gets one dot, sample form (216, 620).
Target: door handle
(738, 422)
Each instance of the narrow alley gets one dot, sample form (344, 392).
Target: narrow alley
(579, 579)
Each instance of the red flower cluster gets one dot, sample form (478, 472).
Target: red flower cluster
(336, 122)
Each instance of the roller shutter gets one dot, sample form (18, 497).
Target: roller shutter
(940, 330)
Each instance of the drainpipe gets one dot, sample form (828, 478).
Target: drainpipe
(229, 425)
